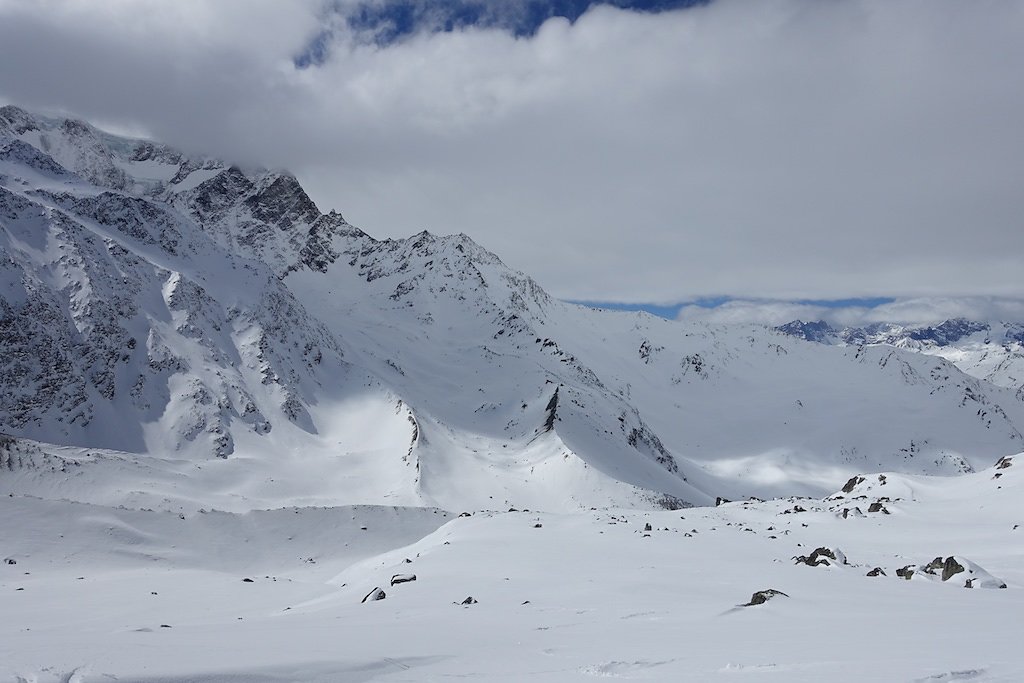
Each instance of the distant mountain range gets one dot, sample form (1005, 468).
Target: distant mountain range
(947, 333)
(178, 332)
(989, 351)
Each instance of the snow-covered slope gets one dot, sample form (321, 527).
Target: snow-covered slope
(180, 333)
(993, 351)
(101, 594)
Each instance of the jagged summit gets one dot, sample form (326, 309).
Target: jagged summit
(191, 332)
(817, 331)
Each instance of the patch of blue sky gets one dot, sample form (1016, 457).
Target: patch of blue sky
(388, 21)
(671, 311)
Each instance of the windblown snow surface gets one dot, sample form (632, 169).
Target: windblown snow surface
(231, 421)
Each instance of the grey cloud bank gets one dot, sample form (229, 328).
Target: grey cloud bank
(789, 149)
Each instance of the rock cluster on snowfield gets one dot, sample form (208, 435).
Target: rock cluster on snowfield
(945, 569)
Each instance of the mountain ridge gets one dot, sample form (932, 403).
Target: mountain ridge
(210, 326)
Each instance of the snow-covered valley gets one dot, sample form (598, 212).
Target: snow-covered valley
(227, 417)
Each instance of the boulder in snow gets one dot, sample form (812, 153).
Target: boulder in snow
(821, 556)
(852, 484)
(905, 572)
(761, 597)
(976, 576)
(943, 570)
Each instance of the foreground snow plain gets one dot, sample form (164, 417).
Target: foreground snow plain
(101, 594)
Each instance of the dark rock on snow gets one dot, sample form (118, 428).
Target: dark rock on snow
(821, 556)
(852, 484)
(402, 578)
(905, 572)
(761, 597)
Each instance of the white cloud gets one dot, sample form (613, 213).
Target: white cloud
(791, 149)
(933, 310)
(753, 311)
(910, 311)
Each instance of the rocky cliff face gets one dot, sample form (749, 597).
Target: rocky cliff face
(120, 310)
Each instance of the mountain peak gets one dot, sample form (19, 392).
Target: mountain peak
(15, 120)
(818, 331)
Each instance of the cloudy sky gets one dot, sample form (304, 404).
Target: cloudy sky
(658, 152)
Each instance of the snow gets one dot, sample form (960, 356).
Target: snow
(586, 594)
(195, 179)
(148, 170)
(228, 418)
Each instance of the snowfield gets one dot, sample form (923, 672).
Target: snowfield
(242, 440)
(101, 594)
